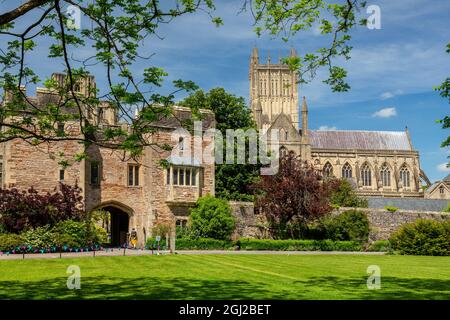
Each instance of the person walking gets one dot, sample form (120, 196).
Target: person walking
(133, 238)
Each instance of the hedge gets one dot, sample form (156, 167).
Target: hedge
(380, 246)
(267, 244)
(298, 245)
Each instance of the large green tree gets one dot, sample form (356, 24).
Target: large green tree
(231, 112)
(113, 31)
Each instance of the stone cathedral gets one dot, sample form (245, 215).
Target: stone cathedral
(377, 163)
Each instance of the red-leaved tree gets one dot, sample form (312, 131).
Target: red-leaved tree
(297, 195)
(22, 210)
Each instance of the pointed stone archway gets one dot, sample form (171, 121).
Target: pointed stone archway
(119, 221)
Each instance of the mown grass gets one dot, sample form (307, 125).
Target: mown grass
(228, 277)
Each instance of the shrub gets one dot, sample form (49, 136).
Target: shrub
(390, 208)
(212, 218)
(10, 241)
(203, 244)
(346, 196)
(40, 237)
(423, 237)
(151, 243)
(70, 233)
(380, 246)
(447, 209)
(298, 245)
(350, 225)
(24, 210)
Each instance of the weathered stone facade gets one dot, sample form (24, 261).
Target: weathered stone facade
(153, 196)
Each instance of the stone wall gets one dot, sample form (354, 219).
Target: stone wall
(382, 222)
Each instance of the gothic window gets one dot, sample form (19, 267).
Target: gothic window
(328, 170)
(283, 152)
(366, 176)
(346, 171)
(181, 143)
(405, 176)
(385, 174)
(441, 190)
(286, 135)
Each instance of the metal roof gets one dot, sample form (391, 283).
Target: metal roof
(362, 140)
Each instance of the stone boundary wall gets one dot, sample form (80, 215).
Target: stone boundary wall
(382, 222)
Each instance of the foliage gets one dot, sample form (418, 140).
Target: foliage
(69, 233)
(231, 112)
(346, 196)
(23, 210)
(203, 244)
(380, 246)
(116, 30)
(40, 237)
(151, 243)
(296, 195)
(349, 225)
(9, 241)
(444, 91)
(81, 233)
(391, 208)
(212, 218)
(334, 20)
(298, 245)
(423, 237)
(447, 209)
(162, 229)
(119, 32)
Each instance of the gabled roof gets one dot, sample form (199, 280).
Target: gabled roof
(362, 140)
(434, 186)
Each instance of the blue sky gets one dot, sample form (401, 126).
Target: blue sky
(392, 70)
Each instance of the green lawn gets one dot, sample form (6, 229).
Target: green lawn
(228, 277)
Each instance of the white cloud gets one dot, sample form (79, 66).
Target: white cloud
(327, 128)
(390, 94)
(385, 113)
(443, 167)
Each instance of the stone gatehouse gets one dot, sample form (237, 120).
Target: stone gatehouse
(138, 193)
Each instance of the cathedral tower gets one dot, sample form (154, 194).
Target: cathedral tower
(273, 91)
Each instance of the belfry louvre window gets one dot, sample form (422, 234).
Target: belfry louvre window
(385, 174)
(405, 177)
(366, 176)
(182, 176)
(346, 171)
(133, 175)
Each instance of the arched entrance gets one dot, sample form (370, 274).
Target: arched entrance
(116, 222)
(119, 225)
